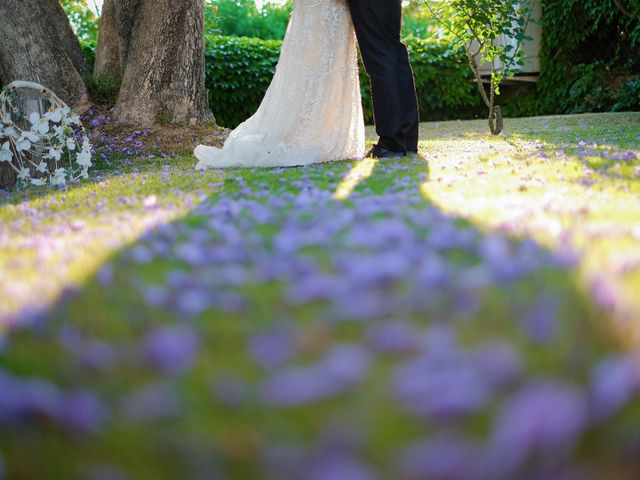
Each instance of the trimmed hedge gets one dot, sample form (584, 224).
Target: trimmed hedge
(239, 71)
(590, 58)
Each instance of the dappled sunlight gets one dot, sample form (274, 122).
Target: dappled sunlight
(259, 295)
(45, 264)
(53, 241)
(360, 172)
(573, 195)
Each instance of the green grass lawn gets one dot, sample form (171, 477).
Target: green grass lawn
(551, 179)
(469, 314)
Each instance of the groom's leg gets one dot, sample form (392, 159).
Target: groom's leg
(378, 24)
(409, 101)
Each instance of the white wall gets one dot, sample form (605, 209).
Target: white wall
(531, 49)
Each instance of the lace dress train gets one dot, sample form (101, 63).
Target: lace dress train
(312, 111)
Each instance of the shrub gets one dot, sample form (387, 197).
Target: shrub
(240, 18)
(628, 96)
(104, 90)
(589, 46)
(244, 18)
(239, 71)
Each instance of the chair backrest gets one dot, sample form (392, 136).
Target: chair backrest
(18, 101)
(27, 101)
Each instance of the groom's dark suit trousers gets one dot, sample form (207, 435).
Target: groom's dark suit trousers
(378, 24)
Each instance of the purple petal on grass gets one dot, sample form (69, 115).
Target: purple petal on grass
(441, 459)
(342, 368)
(440, 340)
(155, 296)
(21, 400)
(297, 386)
(498, 255)
(105, 276)
(313, 288)
(347, 364)
(273, 348)
(441, 388)
(171, 349)
(499, 362)
(542, 418)
(140, 254)
(70, 338)
(83, 412)
(395, 337)
(541, 323)
(99, 355)
(614, 382)
(337, 466)
(193, 301)
(361, 304)
(191, 253)
(433, 272)
(38, 398)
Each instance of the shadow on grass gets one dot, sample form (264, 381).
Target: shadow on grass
(276, 332)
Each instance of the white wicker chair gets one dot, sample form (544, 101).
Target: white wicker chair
(18, 102)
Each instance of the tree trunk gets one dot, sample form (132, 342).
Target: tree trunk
(68, 38)
(37, 44)
(162, 48)
(108, 53)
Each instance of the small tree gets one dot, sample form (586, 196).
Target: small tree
(481, 28)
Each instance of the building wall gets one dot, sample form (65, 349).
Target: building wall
(531, 48)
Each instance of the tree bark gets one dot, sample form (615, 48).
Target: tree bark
(68, 38)
(162, 49)
(37, 44)
(126, 15)
(108, 63)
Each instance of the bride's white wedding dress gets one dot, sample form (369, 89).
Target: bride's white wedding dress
(312, 111)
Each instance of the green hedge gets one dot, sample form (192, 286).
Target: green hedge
(590, 57)
(239, 71)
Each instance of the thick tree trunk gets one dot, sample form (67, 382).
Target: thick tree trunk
(162, 48)
(67, 36)
(108, 52)
(126, 16)
(37, 44)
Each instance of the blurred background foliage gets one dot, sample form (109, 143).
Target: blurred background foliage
(590, 59)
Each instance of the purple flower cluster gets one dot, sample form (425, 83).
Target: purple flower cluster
(609, 157)
(25, 400)
(111, 139)
(342, 369)
(299, 336)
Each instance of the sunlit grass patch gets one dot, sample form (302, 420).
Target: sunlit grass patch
(52, 241)
(568, 181)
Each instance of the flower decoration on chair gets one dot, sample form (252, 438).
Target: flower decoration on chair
(49, 148)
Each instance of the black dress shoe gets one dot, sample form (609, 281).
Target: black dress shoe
(382, 153)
